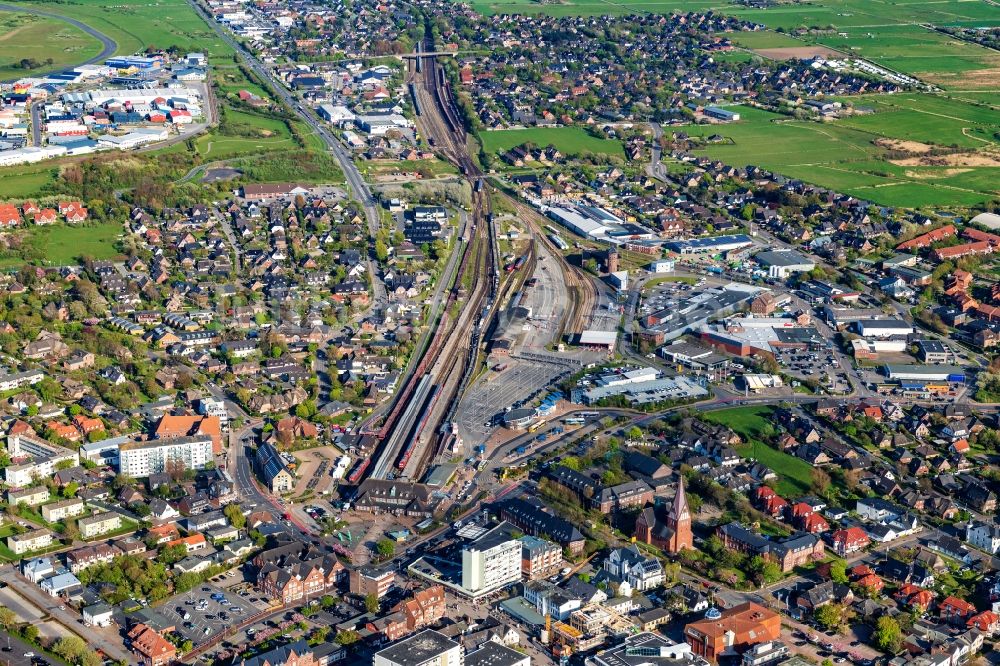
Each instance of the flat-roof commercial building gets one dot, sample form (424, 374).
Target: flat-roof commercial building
(428, 648)
(882, 328)
(935, 351)
(710, 245)
(645, 392)
(939, 373)
(494, 654)
(782, 263)
(603, 339)
(517, 419)
(695, 312)
(140, 459)
(648, 649)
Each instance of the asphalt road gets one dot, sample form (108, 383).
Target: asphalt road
(108, 45)
(106, 639)
(357, 184)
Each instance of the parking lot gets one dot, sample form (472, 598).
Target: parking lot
(199, 617)
(496, 392)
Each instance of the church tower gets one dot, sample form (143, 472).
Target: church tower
(679, 522)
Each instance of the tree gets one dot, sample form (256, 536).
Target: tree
(235, 515)
(187, 646)
(346, 637)
(121, 481)
(829, 616)
(70, 648)
(371, 603)
(176, 469)
(30, 633)
(69, 490)
(819, 481)
(7, 618)
(386, 548)
(381, 251)
(838, 571)
(70, 531)
(888, 636)
(173, 554)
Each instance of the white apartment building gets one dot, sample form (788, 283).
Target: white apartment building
(67, 508)
(140, 459)
(984, 536)
(214, 407)
(29, 541)
(45, 456)
(491, 561)
(98, 524)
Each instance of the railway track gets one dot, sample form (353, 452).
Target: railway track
(582, 290)
(412, 433)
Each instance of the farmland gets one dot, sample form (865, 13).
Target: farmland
(889, 33)
(139, 24)
(842, 155)
(569, 140)
(591, 7)
(24, 36)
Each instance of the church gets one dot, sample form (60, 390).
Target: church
(668, 530)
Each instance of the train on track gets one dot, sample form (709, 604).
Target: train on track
(418, 430)
(516, 265)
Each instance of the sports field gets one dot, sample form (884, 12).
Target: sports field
(844, 156)
(569, 140)
(140, 24)
(25, 36)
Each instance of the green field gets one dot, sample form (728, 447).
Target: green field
(569, 140)
(38, 38)
(931, 119)
(890, 33)
(243, 134)
(136, 25)
(25, 181)
(591, 7)
(893, 34)
(841, 155)
(64, 244)
(794, 474)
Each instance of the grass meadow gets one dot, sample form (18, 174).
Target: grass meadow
(569, 140)
(39, 38)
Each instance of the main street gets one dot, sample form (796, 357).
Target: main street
(357, 184)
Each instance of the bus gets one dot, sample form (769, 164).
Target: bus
(535, 426)
(574, 421)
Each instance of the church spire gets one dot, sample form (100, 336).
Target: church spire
(680, 510)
